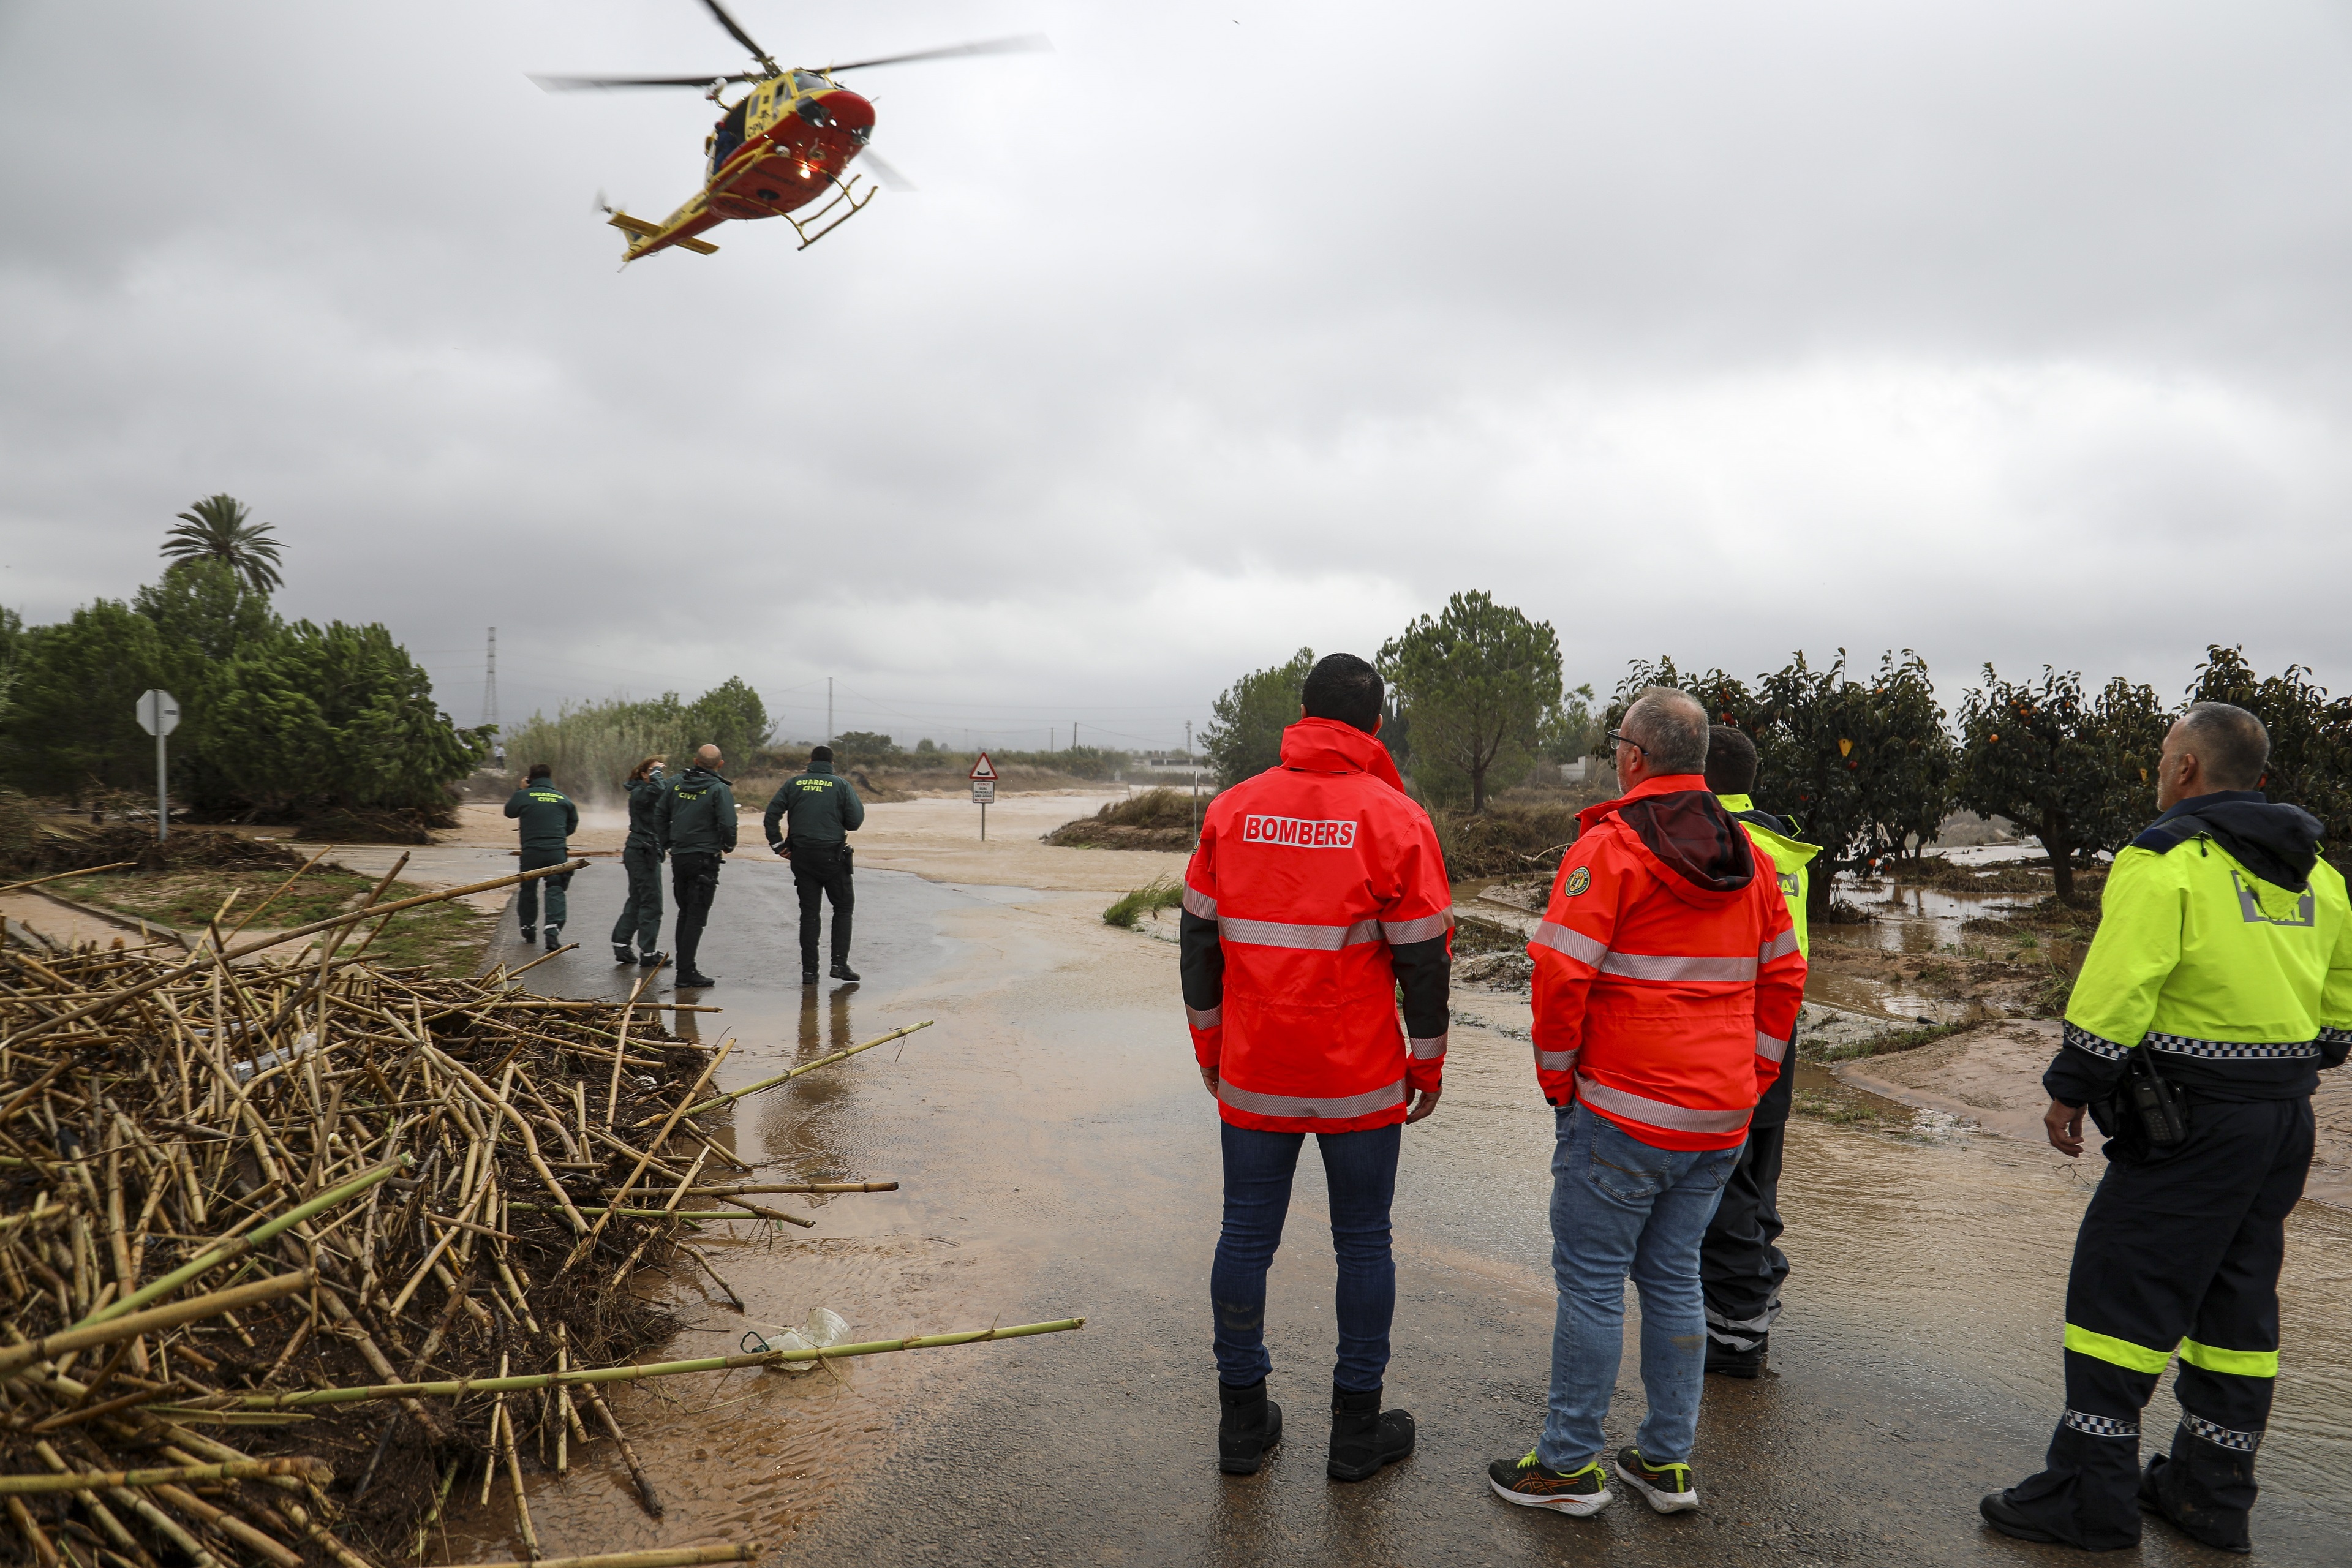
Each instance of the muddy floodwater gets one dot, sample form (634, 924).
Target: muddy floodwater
(1057, 1157)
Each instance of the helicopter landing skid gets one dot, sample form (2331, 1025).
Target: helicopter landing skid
(842, 192)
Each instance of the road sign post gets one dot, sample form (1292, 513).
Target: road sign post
(159, 715)
(983, 790)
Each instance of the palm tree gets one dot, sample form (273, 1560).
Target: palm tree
(215, 528)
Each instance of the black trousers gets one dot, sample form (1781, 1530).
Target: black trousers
(1739, 1268)
(822, 872)
(527, 894)
(693, 882)
(641, 915)
(2178, 1250)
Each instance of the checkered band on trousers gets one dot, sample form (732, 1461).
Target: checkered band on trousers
(2336, 1037)
(2221, 1436)
(2101, 1425)
(2081, 1039)
(2230, 1050)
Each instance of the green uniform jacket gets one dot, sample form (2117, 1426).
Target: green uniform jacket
(644, 799)
(548, 818)
(696, 815)
(818, 806)
(1775, 835)
(2225, 946)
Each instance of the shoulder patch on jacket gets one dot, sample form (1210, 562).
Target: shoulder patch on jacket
(1578, 881)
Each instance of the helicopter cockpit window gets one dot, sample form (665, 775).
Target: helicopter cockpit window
(809, 82)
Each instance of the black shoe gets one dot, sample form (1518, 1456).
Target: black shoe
(840, 970)
(2152, 1501)
(530, 934)
(1248, 1428)
(623, 955)
(1532, 1484)
(2009, 1520)
(554, 938)
(809, 977)
(653, 960)
(1364, 1436)
(1724, 1362)
(683, 982)
(1668, 1487)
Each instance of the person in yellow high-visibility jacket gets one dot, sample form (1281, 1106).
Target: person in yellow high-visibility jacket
(1740, 1264)
(2221, 971)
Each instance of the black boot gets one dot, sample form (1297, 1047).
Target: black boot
(554, 938)
(624, 954)
(809, 975)
(1364, 1436)
(1724, 1362)
(1249, 1429)
(2169, 1489)
(840, 970)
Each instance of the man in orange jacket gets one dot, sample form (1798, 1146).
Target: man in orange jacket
(1666, 988)
(1316, 894)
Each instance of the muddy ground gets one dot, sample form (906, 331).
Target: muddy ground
(1058, 1156)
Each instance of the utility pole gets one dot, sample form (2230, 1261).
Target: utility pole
(490, 702)
(1192, 773)
(828, 711)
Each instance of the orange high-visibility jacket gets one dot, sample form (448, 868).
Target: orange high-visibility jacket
(1316, 892)
(1667, 977)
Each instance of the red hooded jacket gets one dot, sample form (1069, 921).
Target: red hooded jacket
(1316, 890)
(1668, 975)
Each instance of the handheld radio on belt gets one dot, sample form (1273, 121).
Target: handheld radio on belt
(2154, 1105)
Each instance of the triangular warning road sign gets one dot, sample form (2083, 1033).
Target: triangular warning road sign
(983, 769)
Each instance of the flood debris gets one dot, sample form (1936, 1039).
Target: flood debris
(371, 1228)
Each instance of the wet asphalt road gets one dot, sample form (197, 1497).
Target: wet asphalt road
(1059, 1158)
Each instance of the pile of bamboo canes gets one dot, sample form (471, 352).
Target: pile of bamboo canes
(374, 1227)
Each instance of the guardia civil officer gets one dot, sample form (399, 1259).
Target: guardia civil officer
(547, 818)
(2221, 979)
(694, 825)
(809, 822)
(1741, 1266)
(640, 918)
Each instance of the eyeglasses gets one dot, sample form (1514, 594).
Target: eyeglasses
(1615, 739)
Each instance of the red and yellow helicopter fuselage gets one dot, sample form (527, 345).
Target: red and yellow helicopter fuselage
(787, 144)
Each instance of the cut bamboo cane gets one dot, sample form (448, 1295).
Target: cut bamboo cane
(152, 1319)
(734, 1095)
(665, 1557)
(174, 1475)
(647, 1498)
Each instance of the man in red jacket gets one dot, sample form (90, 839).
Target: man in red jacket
(1666, 988)
(1317, 893)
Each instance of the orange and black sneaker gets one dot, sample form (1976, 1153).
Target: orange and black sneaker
(1530, 1483)
(1669, 1488)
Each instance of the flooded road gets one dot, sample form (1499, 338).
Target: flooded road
(1059, 1157)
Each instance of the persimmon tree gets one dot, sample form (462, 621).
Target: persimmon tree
(2075, 771)
(2311, 738)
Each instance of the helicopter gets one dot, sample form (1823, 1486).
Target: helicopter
(786, 144)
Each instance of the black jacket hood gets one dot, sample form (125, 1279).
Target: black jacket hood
(1693, 836)
(2277, 842)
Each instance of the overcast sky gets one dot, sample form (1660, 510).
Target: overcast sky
(2002, 332)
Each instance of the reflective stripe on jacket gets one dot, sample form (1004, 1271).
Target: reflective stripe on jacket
(1667, 972)
(1316, 889)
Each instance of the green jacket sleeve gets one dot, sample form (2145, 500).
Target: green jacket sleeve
(571, 818)
(774, 820)
(517, 801)
(661, 823)
(853, 810)
(2134, 953)
(723, 804)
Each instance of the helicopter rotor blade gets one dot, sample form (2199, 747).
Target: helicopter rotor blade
(885, 173)
(1023, 43)
(741, 37)
(578, 83)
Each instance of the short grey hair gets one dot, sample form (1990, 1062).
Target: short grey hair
(1670, 726)
(2228, 743)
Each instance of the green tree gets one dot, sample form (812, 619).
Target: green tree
(866, 746)
(2075, 772)
(204, 617)
(1246, 737)
(72, 724)
(337, 715)
(1479, 682)
(1573, 731)
(593, 746)
(219, 528)
(2311, 738)
(732, 717)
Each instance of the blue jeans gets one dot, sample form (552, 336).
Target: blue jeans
(1360, 1168)
(1617, 1207)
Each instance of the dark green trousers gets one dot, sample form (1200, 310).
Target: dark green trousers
(527, 895)
(641, 915)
